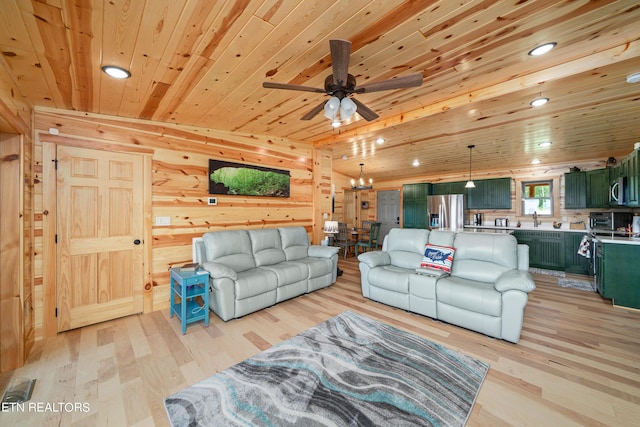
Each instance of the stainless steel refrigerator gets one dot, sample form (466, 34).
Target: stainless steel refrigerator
(447, 211)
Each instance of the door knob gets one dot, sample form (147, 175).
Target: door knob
(136, 242)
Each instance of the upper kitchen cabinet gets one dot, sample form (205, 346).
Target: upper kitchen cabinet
(598, 188)
(575, 190)
(448, 188)
(490, 194)
(630, 166)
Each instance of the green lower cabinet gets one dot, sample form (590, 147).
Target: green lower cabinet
(618, 276)
(573, 262)
(546, 248)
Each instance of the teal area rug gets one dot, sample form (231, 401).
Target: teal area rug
(350, 370)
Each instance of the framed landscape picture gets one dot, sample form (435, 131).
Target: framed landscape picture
(247, 180)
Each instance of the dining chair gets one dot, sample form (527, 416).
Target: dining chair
(344, 239)
(372, 241)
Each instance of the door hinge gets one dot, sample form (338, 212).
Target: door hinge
(56, 239)
(56, 311)
(56, 163)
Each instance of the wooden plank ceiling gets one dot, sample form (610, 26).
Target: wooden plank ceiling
(203, 63)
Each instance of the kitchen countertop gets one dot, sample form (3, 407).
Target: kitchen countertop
(527, 227)
(624, 240)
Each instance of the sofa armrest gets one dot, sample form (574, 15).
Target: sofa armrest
(218, 271)
(319, 251)
(516, 280)
(375, 258)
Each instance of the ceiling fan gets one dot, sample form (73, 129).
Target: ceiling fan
(342, 85)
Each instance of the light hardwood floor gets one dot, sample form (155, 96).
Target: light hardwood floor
(577, 363)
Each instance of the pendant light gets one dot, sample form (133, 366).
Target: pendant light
(470, 183)
(361, 183)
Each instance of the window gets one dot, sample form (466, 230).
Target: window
(537, 197)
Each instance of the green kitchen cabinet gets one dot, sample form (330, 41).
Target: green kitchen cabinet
(598, 188)
(414, 205)
(546, 248)
(448, 188)
(575, 190)
(573, 262)
(631, 165)
(490, 194)
(617, 277)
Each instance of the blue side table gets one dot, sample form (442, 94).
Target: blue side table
(187, 285)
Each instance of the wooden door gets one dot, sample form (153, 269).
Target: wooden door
(99, 233)
(349, 203)
(388, 211)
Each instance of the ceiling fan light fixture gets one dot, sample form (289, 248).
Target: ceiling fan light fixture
(542, 49)
(116, 72)
(335, 123)
(331, 108)
(347, 108)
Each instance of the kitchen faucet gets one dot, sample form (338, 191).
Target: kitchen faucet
(535, 219)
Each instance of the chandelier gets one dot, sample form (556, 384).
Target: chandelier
(361, 183)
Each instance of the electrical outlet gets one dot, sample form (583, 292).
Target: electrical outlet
(213, 201)
(163, 220)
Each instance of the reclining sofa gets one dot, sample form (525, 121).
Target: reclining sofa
(253, 269)
(486, 289)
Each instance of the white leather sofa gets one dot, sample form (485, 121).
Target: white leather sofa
(253, 269)
(486, 290)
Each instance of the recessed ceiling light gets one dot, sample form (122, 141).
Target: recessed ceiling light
(116, 72)
(545, 144)
(542, 49)
(633, 78)
(539, 101)
(416, 162)
(344, 157)
(380, 140)
(535, 161)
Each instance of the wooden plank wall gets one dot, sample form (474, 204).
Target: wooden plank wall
(16, 308)
(179, 186)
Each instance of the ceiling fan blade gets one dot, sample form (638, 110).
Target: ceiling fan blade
(273, 85)
(412, 80)
(367, 113)
(340, 52)
(311, 114)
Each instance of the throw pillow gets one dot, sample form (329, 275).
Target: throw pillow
(438, 257)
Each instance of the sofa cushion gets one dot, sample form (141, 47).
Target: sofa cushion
(289, 272)
(442, 237)
(391, 277)
(266, 246)
(438, 257)
(405, 246)
(471, 295)
(230, 247)
(295, 242)
(255, 282)
(484, 256)
(317, 266)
